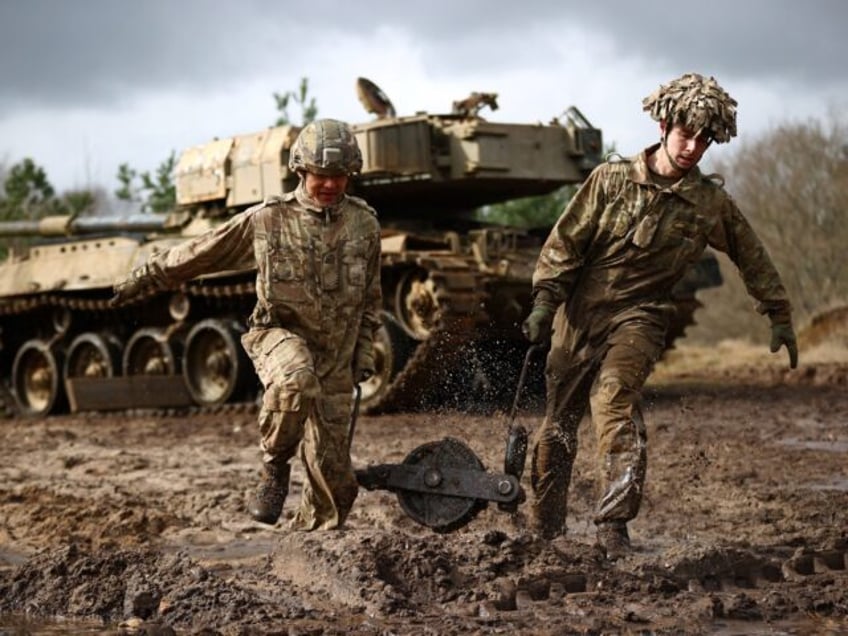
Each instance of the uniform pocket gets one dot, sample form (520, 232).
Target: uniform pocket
(287, 277)
(275, 352)
(683, 224)
(686, 232)
(355, 261)
(330, 271)
(284, 268)
(621, 220)
(621, 215)
(260, 344)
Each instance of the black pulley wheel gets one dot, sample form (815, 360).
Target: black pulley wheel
(442, 513)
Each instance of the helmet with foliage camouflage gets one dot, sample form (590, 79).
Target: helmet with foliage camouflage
(697, 103)
(326, 146)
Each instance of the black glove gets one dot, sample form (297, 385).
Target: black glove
(363, 361)
(537, 326)
(782, 335)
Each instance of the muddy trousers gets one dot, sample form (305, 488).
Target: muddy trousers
(305, 414)
(330, 487)
(610, 382)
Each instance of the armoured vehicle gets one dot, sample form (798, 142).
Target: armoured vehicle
(455, 289)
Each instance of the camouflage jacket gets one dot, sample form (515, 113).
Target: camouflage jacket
(624, 241)
(318, 270)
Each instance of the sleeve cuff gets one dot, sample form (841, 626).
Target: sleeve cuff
(545, 297)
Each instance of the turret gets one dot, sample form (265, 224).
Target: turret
(419, 167)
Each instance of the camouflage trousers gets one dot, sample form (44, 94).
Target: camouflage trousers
(303, 415)
(608, 380)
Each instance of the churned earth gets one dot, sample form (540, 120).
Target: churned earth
(135, 523)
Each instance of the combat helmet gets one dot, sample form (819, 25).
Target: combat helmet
(326, 146)
(697, 103)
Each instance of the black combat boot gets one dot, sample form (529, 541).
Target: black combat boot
(614, 540)
(267, 504)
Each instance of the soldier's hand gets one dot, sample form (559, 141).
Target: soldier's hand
(537, 326)
(782, 335)
(363, 362)
(133, 285)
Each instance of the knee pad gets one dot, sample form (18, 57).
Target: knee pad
(305, 382)
(291, 393)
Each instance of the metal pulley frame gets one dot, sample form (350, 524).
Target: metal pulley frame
(442, 484)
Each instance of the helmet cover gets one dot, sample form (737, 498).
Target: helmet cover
(697, 103)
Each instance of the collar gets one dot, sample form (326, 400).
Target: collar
(685, 187)
(331, 211)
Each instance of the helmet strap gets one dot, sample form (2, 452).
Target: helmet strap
(673, 163)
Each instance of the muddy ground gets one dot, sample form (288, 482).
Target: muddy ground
(136, 524)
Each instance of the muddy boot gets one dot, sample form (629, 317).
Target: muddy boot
(267, 504)
(614, 540)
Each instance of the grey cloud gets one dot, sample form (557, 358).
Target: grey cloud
(100, 51)
(94, 51)
(777, 39)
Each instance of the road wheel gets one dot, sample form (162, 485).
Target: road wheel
(150, 352)
(392, 348)
(417, 305)
(37, 379)
(215, 365)
(93, 355)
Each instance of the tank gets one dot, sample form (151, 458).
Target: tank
(455, 289)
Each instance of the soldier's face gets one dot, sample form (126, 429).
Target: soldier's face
(686, 146)
(325, 189)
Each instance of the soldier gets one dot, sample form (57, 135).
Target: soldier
(316, 251)
(603, 282)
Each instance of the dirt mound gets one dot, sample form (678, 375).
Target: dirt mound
(119, 584)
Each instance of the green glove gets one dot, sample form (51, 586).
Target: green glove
(537, 326)
(363, 361)
(782, 334)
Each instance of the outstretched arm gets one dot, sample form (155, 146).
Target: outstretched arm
(228, 246)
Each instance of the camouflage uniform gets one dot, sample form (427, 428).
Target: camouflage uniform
(609, 265)
(318, 299)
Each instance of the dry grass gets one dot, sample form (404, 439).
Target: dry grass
(690, 359)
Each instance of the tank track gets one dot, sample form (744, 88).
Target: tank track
(17, 306)
(30, 303)
(435, 368)
(459, 290)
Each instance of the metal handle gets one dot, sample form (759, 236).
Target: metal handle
(521, 379)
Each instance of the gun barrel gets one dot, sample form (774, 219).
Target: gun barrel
(71, 226)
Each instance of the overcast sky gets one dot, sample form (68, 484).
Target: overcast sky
(88, 84)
